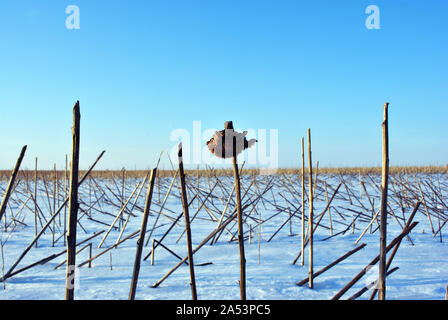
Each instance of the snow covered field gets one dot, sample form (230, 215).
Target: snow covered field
(422, 273)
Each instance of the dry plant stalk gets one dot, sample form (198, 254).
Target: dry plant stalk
(138, 255)
(194, 295)
(302, 262)
(383, 217)
(73, 205)
(11, 183)
(310, 214)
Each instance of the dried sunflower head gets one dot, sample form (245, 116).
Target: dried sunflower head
(222, 143)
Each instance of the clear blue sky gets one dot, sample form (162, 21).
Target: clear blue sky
(144, 68)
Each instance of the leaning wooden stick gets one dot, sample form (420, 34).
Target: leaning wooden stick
(366, 228)
(49, 258)
(194, 295)
(329, 210)
(210, 236)
(215, 239)
(119, 215)
(426, 208)
(88, 261)
(140, 241)
(345, 256)
(392, 255)
(78, 252)
(374, 261)
(162, 206)
(155, 285)
(370, 285)
(73, 206)
(28, 248)
(155, 241)
(11, 183)
(168, 230)
(317, 223)
(133, 206)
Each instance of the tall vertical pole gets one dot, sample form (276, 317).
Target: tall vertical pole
(383, 218)
(303, 204)
(123, 194)
(35, 199)
(310, 215)
(73, 206)
(194, 295)
(197, 182)
(54, 201)
(65, 196)
(229, 126)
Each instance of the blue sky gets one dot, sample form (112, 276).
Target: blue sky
(142, 69)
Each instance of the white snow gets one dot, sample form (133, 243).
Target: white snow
(422, 273)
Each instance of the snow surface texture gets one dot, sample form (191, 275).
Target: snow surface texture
(422, 273)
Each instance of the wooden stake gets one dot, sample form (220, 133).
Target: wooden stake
(89, 212)
(73, 206)
(3, 266)
(236, 175)
(315, 179)
(259, 240)
(140, 241)
(153, 252)
(66, 195)
(383, 217)
(197, 182)
(250, 234)
(310, 217)
(302, 262)
(90, 254)
(187, 223)
(35, 199)
(123, 194)
(54, 201)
